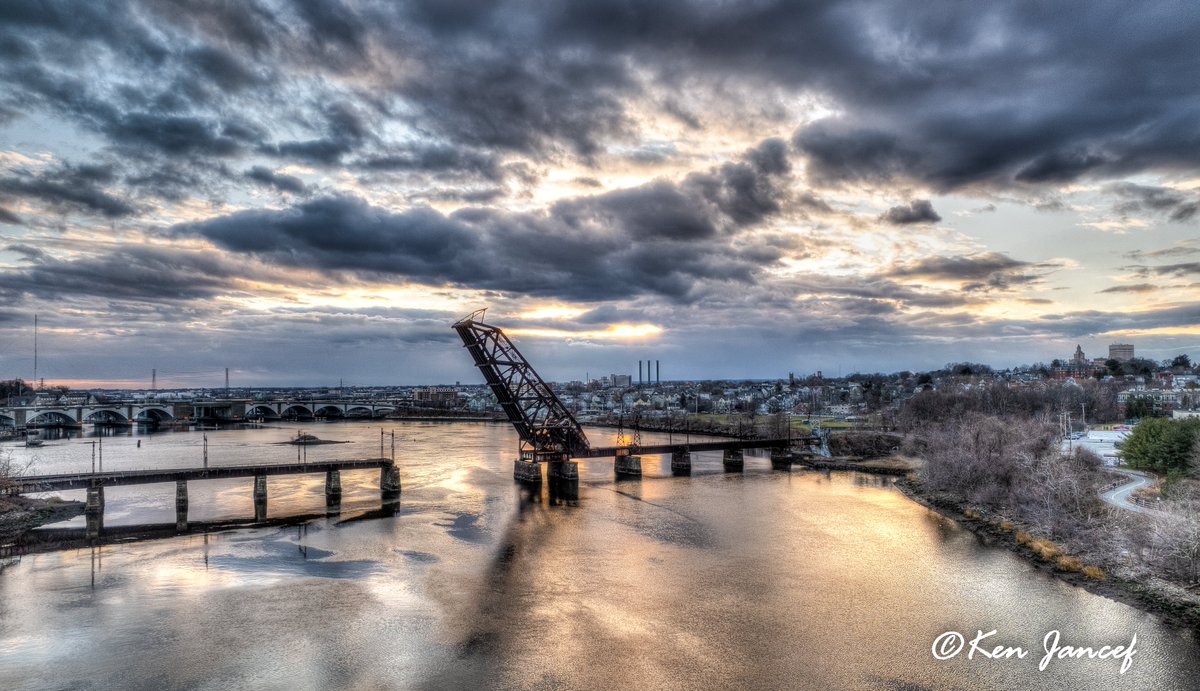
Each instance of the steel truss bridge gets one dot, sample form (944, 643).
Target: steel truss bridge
(548, 432)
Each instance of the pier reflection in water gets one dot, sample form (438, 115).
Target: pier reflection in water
(761, 579)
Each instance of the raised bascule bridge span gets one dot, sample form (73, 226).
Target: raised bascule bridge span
(548, 432)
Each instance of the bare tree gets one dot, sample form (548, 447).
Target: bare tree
(10, 469)
(1175, 536)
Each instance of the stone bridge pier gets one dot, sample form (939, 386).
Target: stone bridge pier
(734, 460)
(626, 464)
(681, 462)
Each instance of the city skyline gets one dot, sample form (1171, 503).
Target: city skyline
(313, 192)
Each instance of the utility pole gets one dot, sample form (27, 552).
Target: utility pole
(35, 363)
(206, 451)
(93, 458)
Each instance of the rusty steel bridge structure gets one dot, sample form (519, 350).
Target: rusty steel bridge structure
(549, 433)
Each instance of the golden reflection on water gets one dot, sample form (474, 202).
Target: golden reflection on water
(761, 579)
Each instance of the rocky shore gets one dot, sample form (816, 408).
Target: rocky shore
(21, 514)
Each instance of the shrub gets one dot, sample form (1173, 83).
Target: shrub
(1045, 549)
(1093, 572)
(1065, 563)
(1023, 538)
(971, 515)
(1006, 525)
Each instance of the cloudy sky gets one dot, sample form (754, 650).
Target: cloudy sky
(309, 191)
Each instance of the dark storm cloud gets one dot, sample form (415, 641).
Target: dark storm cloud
(9, 217)
(917, 211)
(1019, 92)
(946, 94)
(283, 183)
(661, 238)
(531, 254)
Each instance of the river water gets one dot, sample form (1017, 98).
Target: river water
(762, 579)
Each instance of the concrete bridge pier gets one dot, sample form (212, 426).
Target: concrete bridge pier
(734, 460)
(93, 511)
(563, 491)
(181, 505)
(527, 471)
(389, 480)
(781, 459)
(627, 465)
(260, 497)
(333, 487)
(563, 470)
(681, 462)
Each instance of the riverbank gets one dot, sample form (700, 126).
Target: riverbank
(19, 515)
(1172, 602)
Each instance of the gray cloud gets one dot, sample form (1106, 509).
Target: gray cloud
(70, 187)
(1132, 288)
(1176, 205)
(283, 183)
(986, 271)
(9, 217)
(917, 211)
(945, 94)
(1179, 270)
(614, 244)
(135, 273)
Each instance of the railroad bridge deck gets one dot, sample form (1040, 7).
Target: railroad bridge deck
(729, 445)
(113, 478)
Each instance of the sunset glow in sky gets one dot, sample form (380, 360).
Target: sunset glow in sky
(307, 192)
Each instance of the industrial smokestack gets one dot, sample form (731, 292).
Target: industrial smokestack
(639, 372)
(154, 380)
(657, 372)
(226, 381)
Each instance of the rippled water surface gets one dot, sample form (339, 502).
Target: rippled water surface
(764, 579)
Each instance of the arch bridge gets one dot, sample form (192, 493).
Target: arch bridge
(74, 415)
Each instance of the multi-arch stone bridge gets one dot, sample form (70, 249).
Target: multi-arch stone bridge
(144, 412)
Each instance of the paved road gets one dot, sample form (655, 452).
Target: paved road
(1119, 496)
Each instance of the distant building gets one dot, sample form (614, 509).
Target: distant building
(1121, 352)
(621, 379)
(1079, 360)
(436, 397)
